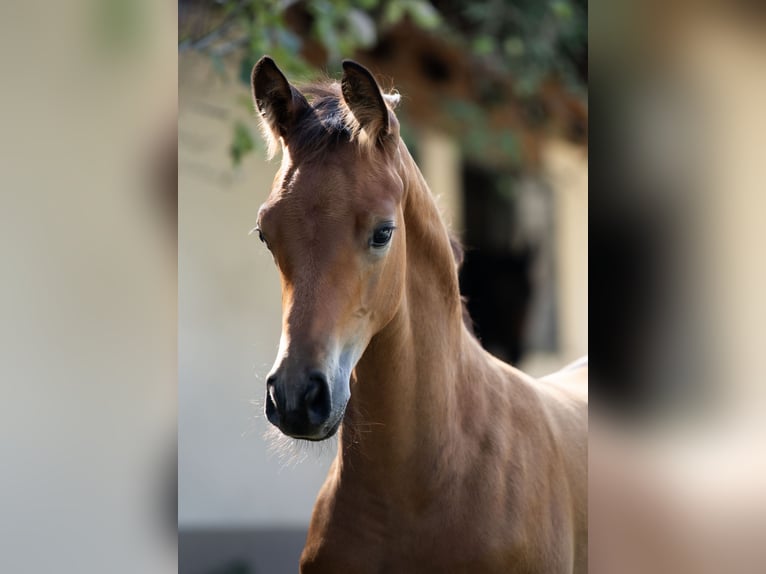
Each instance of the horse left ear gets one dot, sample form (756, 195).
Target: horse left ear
(365, 100)
(278, 103)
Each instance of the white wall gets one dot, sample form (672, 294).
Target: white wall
(566, 168)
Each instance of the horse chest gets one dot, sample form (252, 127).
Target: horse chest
(377, 538)
(418, 551)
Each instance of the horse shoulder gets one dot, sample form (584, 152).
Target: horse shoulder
(544, 443)
(567, 399)
(566, 396)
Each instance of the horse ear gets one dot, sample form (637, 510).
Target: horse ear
(364, 100)
(277, 102)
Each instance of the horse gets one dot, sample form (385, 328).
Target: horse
(449, 460)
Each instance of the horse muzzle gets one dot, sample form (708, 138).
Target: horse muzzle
(303, 406)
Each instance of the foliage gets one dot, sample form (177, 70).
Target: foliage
(242, 142)
(528, 39)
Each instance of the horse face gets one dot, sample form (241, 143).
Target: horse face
(335, 230)
(334, 225)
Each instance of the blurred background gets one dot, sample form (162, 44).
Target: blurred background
(88, 318)
(494, 110)
(677, 443)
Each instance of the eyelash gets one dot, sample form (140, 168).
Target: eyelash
(261, 237)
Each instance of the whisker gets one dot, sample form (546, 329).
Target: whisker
(291, 451)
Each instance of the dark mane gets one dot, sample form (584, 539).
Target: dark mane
(323, 126)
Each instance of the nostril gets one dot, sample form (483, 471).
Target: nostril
(313, 392)
(272, 406)
(317, 398)
(317, 378)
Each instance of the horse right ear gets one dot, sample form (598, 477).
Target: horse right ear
(278, 103)
(365, 102)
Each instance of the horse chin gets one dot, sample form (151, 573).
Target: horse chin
(333, 429)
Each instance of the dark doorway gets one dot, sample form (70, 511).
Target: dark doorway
(500, 275)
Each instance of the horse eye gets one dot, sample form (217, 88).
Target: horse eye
(261, 236)
(381, 237)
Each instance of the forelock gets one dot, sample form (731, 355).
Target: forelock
(327, 123)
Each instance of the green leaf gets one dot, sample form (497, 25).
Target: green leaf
(514, 47)
(245, 102)
(483, 45)
(424, 14)
(562, 10)
(394, 12)
(242, 144)
(509, 144)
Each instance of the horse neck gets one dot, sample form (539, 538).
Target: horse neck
(404, 398)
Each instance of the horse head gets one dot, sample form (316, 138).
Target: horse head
(334, 225)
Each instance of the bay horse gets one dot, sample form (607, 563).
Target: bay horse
(449, 460)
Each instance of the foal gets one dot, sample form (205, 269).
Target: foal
(449, 459)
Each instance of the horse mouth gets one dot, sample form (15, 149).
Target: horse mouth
(331, 431)
(320, 435)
